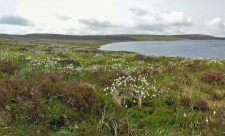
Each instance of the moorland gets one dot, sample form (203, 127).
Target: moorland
(64, 85)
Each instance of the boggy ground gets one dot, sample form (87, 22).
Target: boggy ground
(72, 88)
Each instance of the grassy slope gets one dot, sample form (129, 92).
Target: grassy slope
(156, 38)
(68, 87)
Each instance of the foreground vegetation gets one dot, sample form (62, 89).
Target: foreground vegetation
(72, 88)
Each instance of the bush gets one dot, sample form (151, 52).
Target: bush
(212, 77)
(201, 104)
(218, 94)
(21, 102)
(185, 101)
(79, 96)
(162, 115)
(61, 54)
(129, 102)
(145, 58)
(7, 66)
(50, 83)
(69, 61)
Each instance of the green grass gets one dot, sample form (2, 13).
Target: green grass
(53, 87)
(155, 38)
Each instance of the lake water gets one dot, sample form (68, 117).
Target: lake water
(214, 49)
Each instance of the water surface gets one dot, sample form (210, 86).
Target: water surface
(188, 48)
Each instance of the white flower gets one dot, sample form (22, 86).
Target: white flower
(206, 120)
(185, 115)
(214, 112)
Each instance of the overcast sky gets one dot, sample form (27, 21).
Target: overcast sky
(87, 17)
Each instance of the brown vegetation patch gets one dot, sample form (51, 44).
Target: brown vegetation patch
(195, 66)
(145, 58)
(61, 54)
(90, 51)
(212, 77)
(185, 100)
(216, 104)
(201, 104)
(7, 66)
(69, 61)
(80, 96)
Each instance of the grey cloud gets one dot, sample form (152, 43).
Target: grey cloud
(162, 22)
(180, 23)
(154, 29)
(176, 18)
(216, 27)
(139, 12)
(150, 27)
(62, 17)
(93, 23)
(159, 28)
(217, 23)
(15, 20)
(71, 31)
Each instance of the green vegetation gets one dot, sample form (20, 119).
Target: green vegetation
(156, 38)
(69, 87)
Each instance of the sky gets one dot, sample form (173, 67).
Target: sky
(104, 17)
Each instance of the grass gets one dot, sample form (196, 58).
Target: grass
(156, 38)
(53, 87)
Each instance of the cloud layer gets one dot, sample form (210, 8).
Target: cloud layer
(15, 20)
(93, 23)
(62, 17)
(155, 21)
(216, 26)
(216, 23)
(113, 17)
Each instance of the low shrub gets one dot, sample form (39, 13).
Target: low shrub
(201, 104)
(105, 80)
(194, 66)
(185, 101)
(80, 96)
(218, 94)
(7, 66)
(69, 61)
(61, 54)
(212, 77)
(145, 58)
(162, 115)
(129, 102)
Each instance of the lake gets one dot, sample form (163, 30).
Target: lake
(210, 49)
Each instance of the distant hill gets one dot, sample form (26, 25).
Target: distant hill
(72, 37)
(200, 37)
(124, 37)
